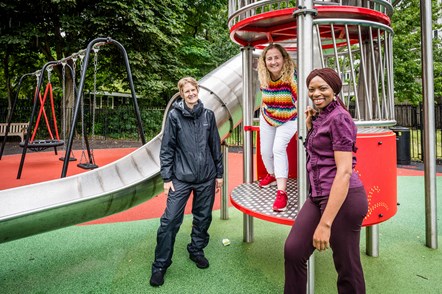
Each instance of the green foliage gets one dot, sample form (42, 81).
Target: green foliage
(164, 39)
(407, 52)
(206, 43)
(152, 122)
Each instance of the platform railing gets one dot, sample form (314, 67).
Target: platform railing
(242, 9)
(360, 51)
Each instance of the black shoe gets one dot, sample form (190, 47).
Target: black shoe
(200, 260)
(157, 278)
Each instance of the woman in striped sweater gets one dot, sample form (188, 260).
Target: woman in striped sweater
(276, 73)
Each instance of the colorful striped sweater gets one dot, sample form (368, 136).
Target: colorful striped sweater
(279, 102)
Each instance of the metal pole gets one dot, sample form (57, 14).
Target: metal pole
(77, 105)
(372, 240)
(14, 104)
(304, 16)
(311, 274)
(80, 93)
(224, 209)
(31, 120)
(132, 88)
(429, 125)
(305, 66)
(247, 54)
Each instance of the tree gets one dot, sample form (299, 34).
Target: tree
(407, 52)
(165, 39)
(35, 32)
(206, 43)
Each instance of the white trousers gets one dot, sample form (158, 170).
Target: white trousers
(273, 143)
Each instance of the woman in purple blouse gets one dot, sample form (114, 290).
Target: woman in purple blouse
(332, 215)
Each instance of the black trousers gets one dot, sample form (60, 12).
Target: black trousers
(171, 220)
(344, 241)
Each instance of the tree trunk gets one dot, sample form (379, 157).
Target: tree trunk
(68, 104)
(8, 83)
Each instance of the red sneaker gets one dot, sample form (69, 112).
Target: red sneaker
(280, 203)
(267, 181)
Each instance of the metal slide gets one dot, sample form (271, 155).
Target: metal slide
(127, 182)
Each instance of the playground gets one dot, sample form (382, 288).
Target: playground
(90, 226)
(113, 254)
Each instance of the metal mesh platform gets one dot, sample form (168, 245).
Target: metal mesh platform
(373, 130)
(257, 202)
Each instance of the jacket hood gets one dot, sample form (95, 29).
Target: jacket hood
(197, 109)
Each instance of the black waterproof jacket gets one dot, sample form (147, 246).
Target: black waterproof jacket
(191, 147)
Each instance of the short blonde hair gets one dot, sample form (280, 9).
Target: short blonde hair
(186, 80)
(288, 68)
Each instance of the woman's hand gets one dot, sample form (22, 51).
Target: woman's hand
(218, 184)
(321, 237)
(167, 186)
(309, 113)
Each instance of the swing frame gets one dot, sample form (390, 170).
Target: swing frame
(79, 92)
(102, 41)
(40, 145)
(14, 105)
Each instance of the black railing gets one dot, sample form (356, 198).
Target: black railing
(119, 123)
(411, 117)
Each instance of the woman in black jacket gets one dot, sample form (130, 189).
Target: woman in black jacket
(191, 161)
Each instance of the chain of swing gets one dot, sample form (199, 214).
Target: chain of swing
(87, 160)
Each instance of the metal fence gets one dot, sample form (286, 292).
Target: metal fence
(120, 123)
(104, 123)
(411, 117)
(407, 116)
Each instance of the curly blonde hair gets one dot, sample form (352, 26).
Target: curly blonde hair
(288, 68)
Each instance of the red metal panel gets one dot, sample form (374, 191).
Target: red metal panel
(292, 152)
(376, 167)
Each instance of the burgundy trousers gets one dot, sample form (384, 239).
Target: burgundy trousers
(344, 241)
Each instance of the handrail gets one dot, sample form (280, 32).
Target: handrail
(377, 108)
(360, 22)
(238, 12)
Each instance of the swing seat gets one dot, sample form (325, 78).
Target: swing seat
(40, 145)
(87, 165)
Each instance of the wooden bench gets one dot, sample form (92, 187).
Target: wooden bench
(16, 129)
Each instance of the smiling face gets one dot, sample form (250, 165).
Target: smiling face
(190, 95)
(320, 92)
(274, 62)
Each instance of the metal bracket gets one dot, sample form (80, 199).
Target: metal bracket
(304, 11)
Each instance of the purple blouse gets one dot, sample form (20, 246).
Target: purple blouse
(333, 130)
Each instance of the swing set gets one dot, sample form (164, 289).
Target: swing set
(87, 160)
(33, 144)
(54, 141)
